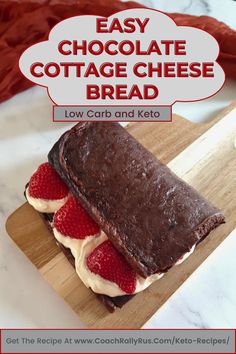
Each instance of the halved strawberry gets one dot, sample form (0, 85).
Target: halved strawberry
(107, 262)
(72, 220)
(45, 183)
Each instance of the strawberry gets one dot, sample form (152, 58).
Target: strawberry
(72, 220)
(45, 183)
(107, 262)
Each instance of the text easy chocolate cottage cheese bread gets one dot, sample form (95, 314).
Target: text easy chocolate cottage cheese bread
(143, 210)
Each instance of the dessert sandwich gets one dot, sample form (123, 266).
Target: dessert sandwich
(120, 216)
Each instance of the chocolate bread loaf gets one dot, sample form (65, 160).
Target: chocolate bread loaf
(151, 216)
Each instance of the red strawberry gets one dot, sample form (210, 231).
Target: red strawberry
(72, 220)
(107, 262)
(45, 183)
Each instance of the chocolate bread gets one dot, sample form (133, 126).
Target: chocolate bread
(151, 216)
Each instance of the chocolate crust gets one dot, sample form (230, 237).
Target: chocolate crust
(151, 216)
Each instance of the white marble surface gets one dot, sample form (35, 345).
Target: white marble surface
(206, 299)
(222, 10)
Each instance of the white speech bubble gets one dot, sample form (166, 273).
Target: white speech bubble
(200, 47)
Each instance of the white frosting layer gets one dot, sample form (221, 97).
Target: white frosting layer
(45, 205)
(81, 250)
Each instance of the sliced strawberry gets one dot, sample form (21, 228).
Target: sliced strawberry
(72, 220)
(107, 262)
(45, 183)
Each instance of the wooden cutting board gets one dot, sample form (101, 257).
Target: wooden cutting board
(205, 156)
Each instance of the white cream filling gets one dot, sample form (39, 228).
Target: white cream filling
(45, 205)
(81, 249)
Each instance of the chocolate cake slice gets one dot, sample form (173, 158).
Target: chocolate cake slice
(151, 216)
